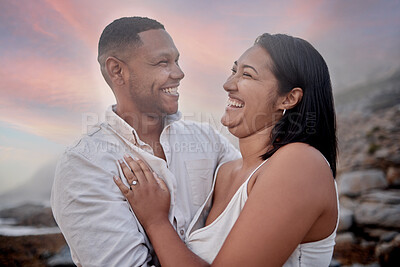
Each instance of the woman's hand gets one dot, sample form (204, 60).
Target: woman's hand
(148, 195)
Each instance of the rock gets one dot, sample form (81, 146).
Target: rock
(366, 244)
(30, 215)
(388, 254)
(334, 263)
(375, 264)
(30, 250)
(345, 238)
(382, 196)
(389, 236)
(348, 203)
(63, 258)
(376, 233)
(393, 176)
(345, 220)
(394, 159)
(382, 153)
(354, 183)
(378, 214)
(348, 251)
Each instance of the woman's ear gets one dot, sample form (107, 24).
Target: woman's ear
(292, 98)
(115, 70)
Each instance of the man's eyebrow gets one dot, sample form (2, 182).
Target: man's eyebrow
(161, 55)
(246, 66)
(165, 54)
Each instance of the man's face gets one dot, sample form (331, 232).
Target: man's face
(154, 74)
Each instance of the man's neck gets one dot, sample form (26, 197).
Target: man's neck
(147, 126)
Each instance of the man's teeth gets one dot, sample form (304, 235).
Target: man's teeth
(234, 103)
(172, 91)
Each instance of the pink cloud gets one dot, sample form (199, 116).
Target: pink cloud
(39, 29)
(78, 19)
(46, 81)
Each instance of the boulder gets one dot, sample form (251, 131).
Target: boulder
(345, 238)
(334, 263)
(354, 183)
(389, 236)
(379, 234)
(375, 264)
(394, 159)
(382, 153)
(382, 196)
(378, 214)
(62, 258)
(393, 176)
(30, 215)
(348, 250)
(388, 253)
(345, 220)
(348, 202)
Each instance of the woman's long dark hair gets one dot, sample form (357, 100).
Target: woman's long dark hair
(296, 63)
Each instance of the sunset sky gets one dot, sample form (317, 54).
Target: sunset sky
(51, 88)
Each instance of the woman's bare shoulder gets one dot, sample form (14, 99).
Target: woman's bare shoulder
(298, 167)
(300, 157)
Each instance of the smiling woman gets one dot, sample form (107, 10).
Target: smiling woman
(257, 88)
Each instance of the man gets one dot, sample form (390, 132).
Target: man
(139, 61)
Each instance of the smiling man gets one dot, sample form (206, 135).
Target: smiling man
(139, 62)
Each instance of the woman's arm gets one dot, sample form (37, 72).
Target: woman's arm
(289, 195)
(170, 249)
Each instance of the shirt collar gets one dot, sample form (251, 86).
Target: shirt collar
(127, 131)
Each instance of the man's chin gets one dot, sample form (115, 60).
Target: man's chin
(170, 110)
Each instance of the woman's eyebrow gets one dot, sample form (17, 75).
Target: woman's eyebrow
(247, 66)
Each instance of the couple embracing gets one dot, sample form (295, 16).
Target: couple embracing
(146, 203)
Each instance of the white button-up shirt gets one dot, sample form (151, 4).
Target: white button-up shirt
(95, 218)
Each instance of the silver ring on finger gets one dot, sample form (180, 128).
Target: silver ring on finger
(133, 184)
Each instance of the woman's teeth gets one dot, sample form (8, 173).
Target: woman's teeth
(171, 91)
(234, 103)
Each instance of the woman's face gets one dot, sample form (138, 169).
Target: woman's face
(252, 94)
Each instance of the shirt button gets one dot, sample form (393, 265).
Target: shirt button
(181, 232)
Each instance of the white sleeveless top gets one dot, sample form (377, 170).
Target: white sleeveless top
(207, 241)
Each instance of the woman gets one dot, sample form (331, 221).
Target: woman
(278, 204)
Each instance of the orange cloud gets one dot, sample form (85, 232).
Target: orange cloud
(45, 98)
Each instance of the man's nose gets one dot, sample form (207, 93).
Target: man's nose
(177, 72)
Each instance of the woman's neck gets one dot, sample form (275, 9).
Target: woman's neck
(255, 145)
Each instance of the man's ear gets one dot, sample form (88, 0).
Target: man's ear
(292, 98)
(115, 70)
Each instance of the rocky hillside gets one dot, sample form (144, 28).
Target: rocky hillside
(29, 236)
(369, 174)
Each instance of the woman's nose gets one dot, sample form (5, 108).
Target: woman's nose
(230, 84)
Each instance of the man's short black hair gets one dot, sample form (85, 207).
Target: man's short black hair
(122, 33)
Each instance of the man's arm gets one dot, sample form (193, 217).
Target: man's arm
(94, 216)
